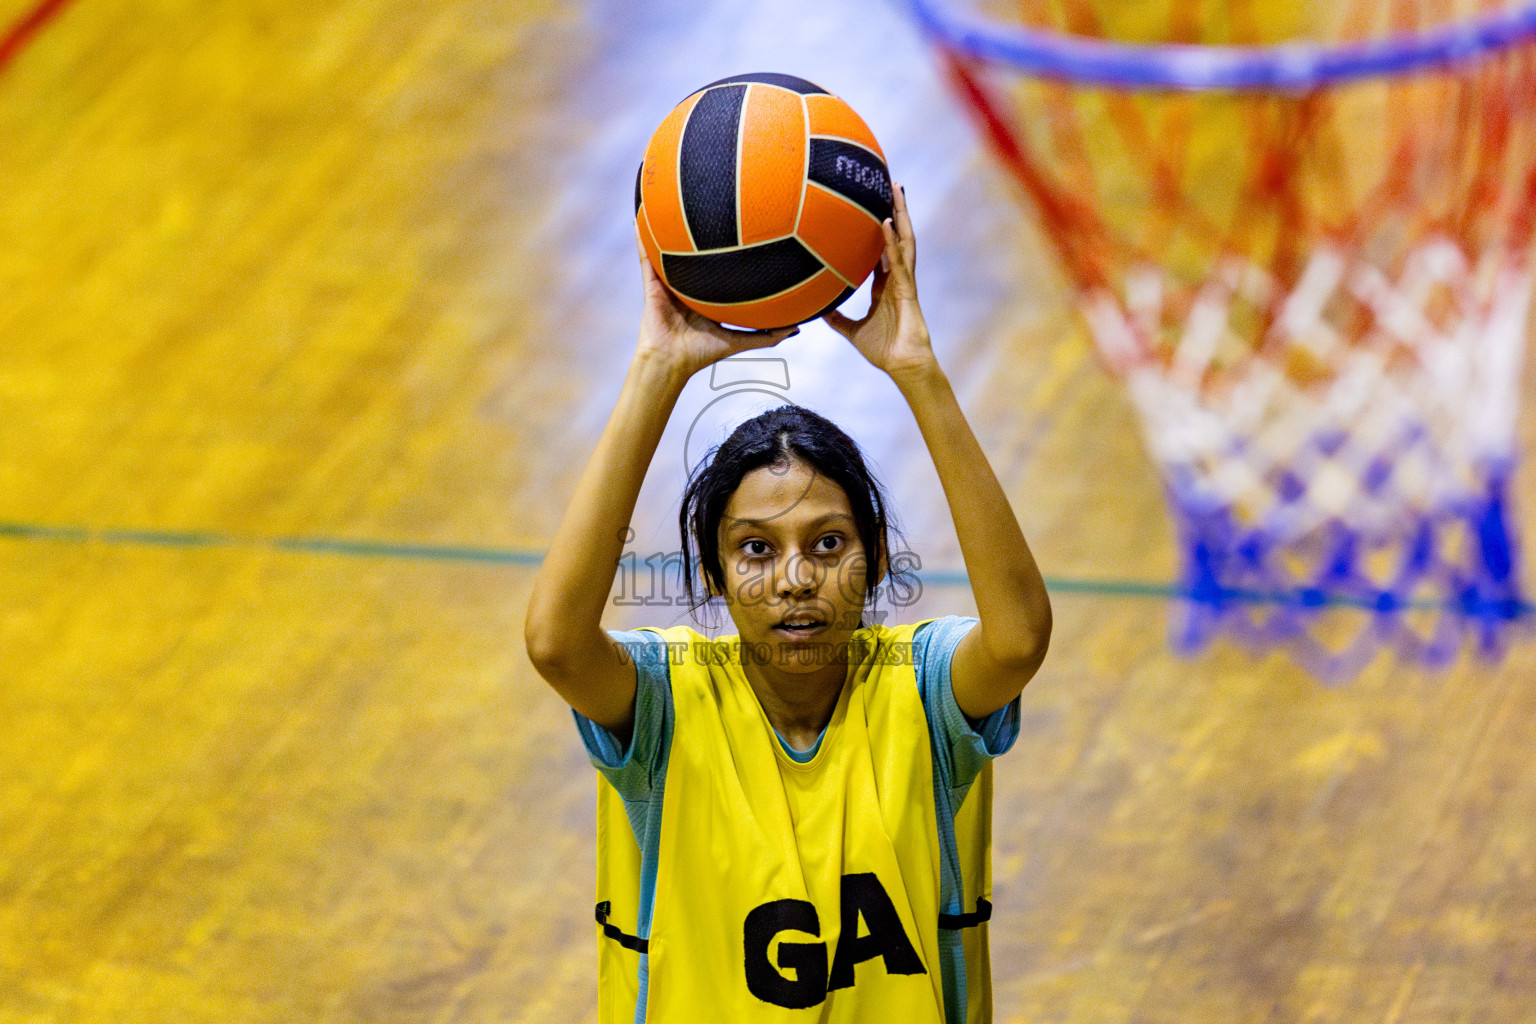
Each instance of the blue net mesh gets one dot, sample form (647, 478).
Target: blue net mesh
(1454, 566)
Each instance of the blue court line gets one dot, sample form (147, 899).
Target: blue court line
(342, 547)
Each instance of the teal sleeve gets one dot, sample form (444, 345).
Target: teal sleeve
(635, 770)
(962, 748)
(639, 771)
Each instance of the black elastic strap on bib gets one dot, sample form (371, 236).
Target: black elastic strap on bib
(954, 921)
(633, 942)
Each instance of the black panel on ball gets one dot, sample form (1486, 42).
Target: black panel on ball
(740, 275)
(789, 82)
(707, 167)
(854, 172)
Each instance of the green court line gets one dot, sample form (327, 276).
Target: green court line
(454, 553)
(306, 545)
(421, 552)
(1096, 588)
(343, 547)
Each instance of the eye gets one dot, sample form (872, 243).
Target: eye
(754, 548)
(831, 542)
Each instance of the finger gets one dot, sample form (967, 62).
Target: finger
(901, 220)
(648, 275)
(742, 341)
(877, 289)
(645, 260)
(742, 338)
(840, 322)
(893, 256)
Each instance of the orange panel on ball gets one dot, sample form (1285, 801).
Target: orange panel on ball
(772, 164)
(842, 233)
(832, 117)
(659, 193)
(791, 307)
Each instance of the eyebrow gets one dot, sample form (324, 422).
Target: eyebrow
(736, 523)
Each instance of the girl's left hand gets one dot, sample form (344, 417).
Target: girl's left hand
(893, 335)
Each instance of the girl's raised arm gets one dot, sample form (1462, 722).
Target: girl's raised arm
(563, 631)
(994, 660)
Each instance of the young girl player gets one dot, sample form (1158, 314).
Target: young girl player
(795, 823)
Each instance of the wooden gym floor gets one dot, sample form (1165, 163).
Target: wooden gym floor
(311, 313)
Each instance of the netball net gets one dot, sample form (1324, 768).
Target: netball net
(1299, 235)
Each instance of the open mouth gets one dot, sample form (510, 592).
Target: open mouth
(800, 625)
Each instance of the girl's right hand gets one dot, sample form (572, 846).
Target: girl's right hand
(685, 339)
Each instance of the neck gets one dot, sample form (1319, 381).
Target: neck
(798, 704)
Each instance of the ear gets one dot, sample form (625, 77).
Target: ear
(715, 582)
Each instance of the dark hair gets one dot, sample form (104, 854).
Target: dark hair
(776, 438)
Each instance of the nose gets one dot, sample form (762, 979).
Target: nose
(797, 576)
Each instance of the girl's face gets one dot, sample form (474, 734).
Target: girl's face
(795, 569)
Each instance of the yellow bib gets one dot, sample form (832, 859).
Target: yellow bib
(788, 891)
